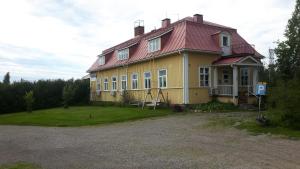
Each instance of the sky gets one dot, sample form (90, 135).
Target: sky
(50, 39)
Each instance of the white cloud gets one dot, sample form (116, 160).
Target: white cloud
(74, 32)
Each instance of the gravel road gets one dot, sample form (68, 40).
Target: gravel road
(177, 141)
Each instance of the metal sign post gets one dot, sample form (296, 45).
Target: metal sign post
(260, 91)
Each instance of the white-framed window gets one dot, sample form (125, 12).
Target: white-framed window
(101, 60)
(225, 40)
(244, 76)
(154, 45)
(123, 79)
(162, 78)
(114, 83)
(105, 84)
(134, 81)
(98, 84)
(226, 76)
(123, 54)
(203, 76)
(147, 80)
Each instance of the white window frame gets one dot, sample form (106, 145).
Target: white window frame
(101, 60)
(241, 76)
(148, 78)
(228, 40)
(135, 80)
(199, 75)
(114, 88)
(123, 54)
(106, 84)
(159, 79)
(228, 76)
(154, 45)
(121, 81)
(98, 84)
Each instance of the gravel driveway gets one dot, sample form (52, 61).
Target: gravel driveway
(177, 141)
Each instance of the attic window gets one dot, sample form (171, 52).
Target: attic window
(154, 45)
(225, 40)
(101, 60)
(123, 54)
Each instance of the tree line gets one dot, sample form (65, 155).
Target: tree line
(284, 76)
(41, 94)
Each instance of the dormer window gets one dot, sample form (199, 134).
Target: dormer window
(154, 45)
(101, 60)
(225, 40)
(225, 43)
(123, 54)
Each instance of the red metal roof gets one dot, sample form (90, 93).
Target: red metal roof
(228, 60)
(184, 34)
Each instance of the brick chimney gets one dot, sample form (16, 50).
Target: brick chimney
(165, 22)
(139, 28)
(198, 18)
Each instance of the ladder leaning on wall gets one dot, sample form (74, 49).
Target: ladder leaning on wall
(153, 103)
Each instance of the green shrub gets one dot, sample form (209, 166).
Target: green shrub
(215, 106)
(68, 94)
(29, 101)
(285, 98)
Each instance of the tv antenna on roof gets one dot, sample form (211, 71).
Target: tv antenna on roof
(138, 23)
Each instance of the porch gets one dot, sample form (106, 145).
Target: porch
(235, 78)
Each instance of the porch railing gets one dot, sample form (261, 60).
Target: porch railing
(225, 90)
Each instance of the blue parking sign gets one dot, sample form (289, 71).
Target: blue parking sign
(261, 89)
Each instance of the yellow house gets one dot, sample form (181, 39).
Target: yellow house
(189, 61)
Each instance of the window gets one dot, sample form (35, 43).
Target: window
(244, 76)
(123, 54)
(105, 84)
(134, 81)
(162, 78)
(123, 82)
(98, 85)
(101, 60)
(225, 76)
(147, 80)
(154, 45)
(114, 83)
(225, 41)
(204, 76)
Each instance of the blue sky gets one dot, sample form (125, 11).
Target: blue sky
(49, 39)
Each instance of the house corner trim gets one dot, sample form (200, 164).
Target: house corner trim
(185, 77)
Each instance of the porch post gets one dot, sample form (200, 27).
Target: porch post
(255, 78)
(215, 82)
(235, 84)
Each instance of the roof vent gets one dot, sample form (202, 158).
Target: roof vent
(198, 18)
(165, 22)
(139, 28)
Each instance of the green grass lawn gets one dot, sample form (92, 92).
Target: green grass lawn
(19, 165)
(79, 116)
(247, 121)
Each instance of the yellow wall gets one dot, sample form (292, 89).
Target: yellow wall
(198, 94)
(172, 63)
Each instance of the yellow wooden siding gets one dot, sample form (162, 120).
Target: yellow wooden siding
(198, 94)
(173, 65)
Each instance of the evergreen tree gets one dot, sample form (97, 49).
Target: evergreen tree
(6, 79)
(288, 51)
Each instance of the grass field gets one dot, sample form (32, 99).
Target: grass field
(20, 165)
(247, 121)
(79, 116)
